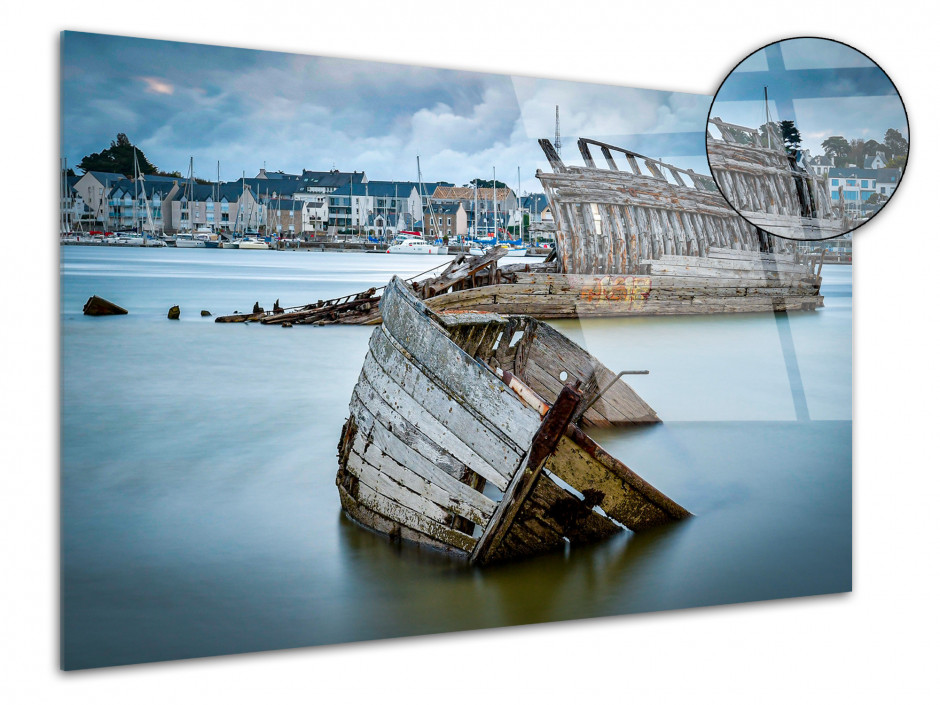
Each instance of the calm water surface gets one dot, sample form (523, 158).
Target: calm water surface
(200, 516)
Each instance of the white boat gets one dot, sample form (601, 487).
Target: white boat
(189, 240)
(229, 245)
(413, 246)
(151, 241)
(514, 251)
(130, 239)
(252, 243)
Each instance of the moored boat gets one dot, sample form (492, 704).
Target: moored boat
(466, 434)
(413, 246)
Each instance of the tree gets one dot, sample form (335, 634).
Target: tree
(118, 159)
(483, 184)
(895, 144)
(898, 162)
(791, 136)
(838, 149)
(857, 152)
(773, 127)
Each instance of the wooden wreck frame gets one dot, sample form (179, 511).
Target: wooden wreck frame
(649, 240)
(653, 239)
(463, 436)
(765, 185)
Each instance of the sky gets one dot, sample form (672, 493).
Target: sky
(825, 87)
(250, 109)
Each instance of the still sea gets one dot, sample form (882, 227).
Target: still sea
(200, 515)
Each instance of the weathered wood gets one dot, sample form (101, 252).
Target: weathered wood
(473, 446)
(553, 425)
(621, 493)
(429, 426)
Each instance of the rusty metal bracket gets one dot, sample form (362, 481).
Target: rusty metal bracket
(597, 396)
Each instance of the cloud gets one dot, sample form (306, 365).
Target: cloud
(155, 85)
(248, 108)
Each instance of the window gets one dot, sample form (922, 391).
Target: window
(835, 182)
(864, 183)
(835, 195)
(448, 222)
(850, 182)
(440, 220)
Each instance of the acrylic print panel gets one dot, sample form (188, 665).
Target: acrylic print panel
(491, 469)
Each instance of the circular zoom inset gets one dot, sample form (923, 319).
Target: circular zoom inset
(807, 138)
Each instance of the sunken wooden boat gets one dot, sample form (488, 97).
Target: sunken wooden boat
(763, 182)
(652, 239)
(466, 433)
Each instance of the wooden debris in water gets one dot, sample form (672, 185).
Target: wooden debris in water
(96, 306)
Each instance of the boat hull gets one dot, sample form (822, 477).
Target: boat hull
(435, 435)
(728, 281)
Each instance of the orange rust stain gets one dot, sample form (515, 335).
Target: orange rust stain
(617, 288)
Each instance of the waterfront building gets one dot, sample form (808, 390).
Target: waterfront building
(818, 165)
(446, 220)
(140, 205)
(94, 188)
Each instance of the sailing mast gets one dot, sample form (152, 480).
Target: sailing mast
(495, 220)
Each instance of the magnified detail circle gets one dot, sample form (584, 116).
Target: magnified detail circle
(807, 138)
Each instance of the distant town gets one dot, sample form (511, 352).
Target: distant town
(312, 204)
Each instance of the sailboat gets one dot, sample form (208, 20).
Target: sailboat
(188, 238)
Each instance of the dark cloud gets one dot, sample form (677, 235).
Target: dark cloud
(245, 107)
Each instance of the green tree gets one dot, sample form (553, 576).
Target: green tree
(791, 136)
(895, 144)
(774, 127)
(838, 149)
(483, 184)
(898, 162)
(118, 159)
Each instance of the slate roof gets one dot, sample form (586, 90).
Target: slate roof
(285, 204)
(331, 179)
(536, 202)
(105, 176)
(444, 209)
(852, 172)
(275, 175)
(888, 175)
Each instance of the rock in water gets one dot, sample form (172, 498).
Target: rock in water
(174, 313)
(96, 306)
(277, 307)
(257, 308)
(204, 313)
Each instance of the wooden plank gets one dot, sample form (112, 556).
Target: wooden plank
(423, 344)
(621, 493)
(432, 440)
(392, 529)
(550, 431)
(567, 514)
(379, 446)
(423, 403)
(389, 508)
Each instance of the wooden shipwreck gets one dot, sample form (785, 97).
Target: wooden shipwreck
(651, 239)
(648, 240)
(466, 433)
(762, 181)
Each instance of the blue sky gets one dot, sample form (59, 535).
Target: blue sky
(826, 87)
(246, 107)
